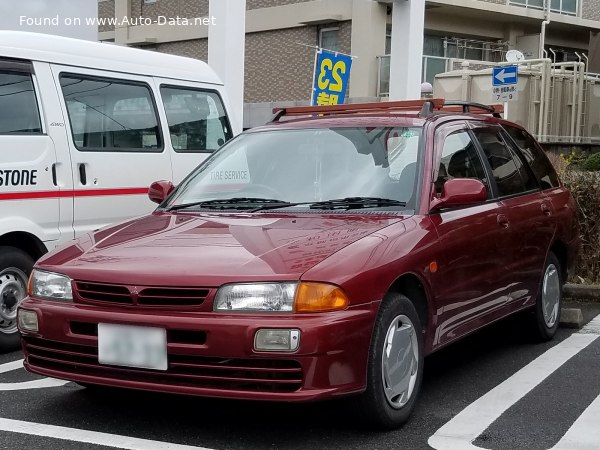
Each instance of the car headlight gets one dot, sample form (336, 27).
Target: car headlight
(50, 285)
(280, 297)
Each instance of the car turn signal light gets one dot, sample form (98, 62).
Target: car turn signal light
(319, 297)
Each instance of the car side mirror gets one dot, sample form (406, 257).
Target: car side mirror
(160, 190)
(460, 192)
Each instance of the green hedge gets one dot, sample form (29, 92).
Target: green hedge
(585, 187)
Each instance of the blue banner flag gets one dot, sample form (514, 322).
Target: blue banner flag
(332, 75)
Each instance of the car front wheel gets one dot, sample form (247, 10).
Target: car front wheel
(395, 367)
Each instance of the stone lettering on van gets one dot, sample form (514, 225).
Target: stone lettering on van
(18, 177)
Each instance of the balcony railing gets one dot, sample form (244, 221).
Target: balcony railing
(432, 65)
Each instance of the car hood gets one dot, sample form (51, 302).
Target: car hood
(210, 249)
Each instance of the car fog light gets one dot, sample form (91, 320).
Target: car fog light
(28, 320)
(277, 340)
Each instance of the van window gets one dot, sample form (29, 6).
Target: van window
(19, 112)
(110, 115)
(197, 119)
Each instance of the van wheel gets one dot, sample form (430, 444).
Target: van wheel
(395, 367)
(546, 313)
(15, 267)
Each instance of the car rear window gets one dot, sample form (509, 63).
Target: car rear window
(509, 171)
(535, 157)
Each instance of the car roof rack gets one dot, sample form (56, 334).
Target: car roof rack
(426, 107)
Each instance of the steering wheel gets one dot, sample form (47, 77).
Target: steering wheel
(262, 191)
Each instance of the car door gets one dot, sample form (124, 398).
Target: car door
(527, 209)
(471, 282)
(195, 122)
(29, 196)
(117, 145)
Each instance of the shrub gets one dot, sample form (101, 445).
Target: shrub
(585, 187)
(591, 163)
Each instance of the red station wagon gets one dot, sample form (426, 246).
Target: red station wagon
(316, 257)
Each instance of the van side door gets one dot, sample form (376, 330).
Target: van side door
(116, 141)
(29, 195)
(195, 122)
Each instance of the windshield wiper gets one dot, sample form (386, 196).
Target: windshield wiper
(234, 203)
(356, 203)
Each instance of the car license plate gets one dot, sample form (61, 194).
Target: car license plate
(132, 346)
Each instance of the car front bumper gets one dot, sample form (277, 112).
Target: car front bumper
(209, 354)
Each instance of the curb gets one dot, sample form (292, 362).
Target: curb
(582, 292)
(571, 318)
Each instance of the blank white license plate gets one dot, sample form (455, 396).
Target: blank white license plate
(132, 346)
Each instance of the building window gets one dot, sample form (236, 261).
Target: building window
(564, 6)
(558, 6)
(329, 39)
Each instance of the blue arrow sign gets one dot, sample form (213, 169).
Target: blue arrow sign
(504, 75)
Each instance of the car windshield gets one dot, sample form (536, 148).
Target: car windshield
(308, 166)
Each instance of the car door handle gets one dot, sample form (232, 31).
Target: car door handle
(503, 221)
(547, 211)
(54, 181)
(82, 174)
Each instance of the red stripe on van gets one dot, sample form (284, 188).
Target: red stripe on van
(74, 193)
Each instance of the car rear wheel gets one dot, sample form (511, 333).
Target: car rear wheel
(15, 267)
(395, 367)
(546, 313)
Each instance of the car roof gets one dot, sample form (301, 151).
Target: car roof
(81, 53)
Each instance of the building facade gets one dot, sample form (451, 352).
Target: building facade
(281, 36)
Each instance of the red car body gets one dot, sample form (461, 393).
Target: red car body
(468, 266)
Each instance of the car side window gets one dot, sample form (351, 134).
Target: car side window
(535, 157)
(459, 159)
(510, 174)
(19, 112)
(197, 119)
(109, 115)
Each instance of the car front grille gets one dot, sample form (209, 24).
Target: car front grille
(147, 296)
(252, 375)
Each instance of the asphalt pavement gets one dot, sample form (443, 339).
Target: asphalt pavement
(496, 376)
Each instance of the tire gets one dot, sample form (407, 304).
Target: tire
(15, 268)
(546, 312)
(386, 408)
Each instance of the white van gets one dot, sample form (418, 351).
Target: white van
(85, 128)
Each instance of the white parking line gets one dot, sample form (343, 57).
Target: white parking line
(89, 437)
(13, 365)
(464, 428)
(584, 434)
(33, 384)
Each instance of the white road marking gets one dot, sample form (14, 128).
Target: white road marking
(13, 365)
(33, 384)
(584, 434)
(89, 437)
(464, 428)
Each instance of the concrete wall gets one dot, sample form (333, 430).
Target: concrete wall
(169, 8)
(590, 9)
(277, 68)
(106, 9)
(194, 48)
(257, 4)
